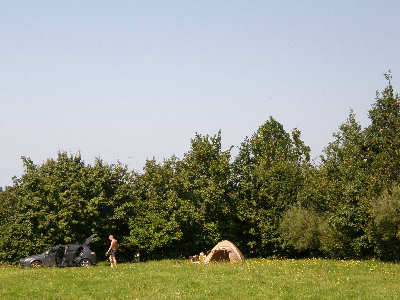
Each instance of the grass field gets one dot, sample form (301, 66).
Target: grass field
(255, 279)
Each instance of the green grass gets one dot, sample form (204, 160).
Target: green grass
(255, 279)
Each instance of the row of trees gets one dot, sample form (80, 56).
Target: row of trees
(270, 199)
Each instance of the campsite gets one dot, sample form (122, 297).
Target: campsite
(296, 229)
(199, 149)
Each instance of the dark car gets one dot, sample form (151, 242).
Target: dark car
(72, 255)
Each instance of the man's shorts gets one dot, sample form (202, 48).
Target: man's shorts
(113, 252)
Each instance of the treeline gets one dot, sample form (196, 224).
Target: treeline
(270, 199)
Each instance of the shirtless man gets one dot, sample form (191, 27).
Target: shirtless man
(112, 250)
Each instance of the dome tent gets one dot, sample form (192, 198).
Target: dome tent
(224, 250)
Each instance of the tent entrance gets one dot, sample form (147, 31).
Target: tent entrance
(220, 255)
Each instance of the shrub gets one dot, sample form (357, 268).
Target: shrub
(385, 225)
(300, 228)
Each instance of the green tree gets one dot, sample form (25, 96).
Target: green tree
(267, 174)
(383, 139)
(343, 176)
(62, 201)
(182, 206)
(152, 215)
(355, 168)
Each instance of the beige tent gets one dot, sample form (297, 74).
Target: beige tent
(224, 250)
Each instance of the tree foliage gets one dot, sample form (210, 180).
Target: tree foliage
(61, 201)
(384, 230)
(356, 168)
(267, 175)
(183, 205)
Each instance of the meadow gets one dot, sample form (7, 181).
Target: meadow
(168, 279)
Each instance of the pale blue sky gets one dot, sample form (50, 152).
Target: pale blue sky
(129, 80)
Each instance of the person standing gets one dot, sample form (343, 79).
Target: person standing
(113, 251)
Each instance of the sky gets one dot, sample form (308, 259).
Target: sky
(132, 80)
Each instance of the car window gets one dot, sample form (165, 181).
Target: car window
(73, 247)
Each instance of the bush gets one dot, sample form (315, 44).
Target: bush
(300, 228)
(385, 225)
